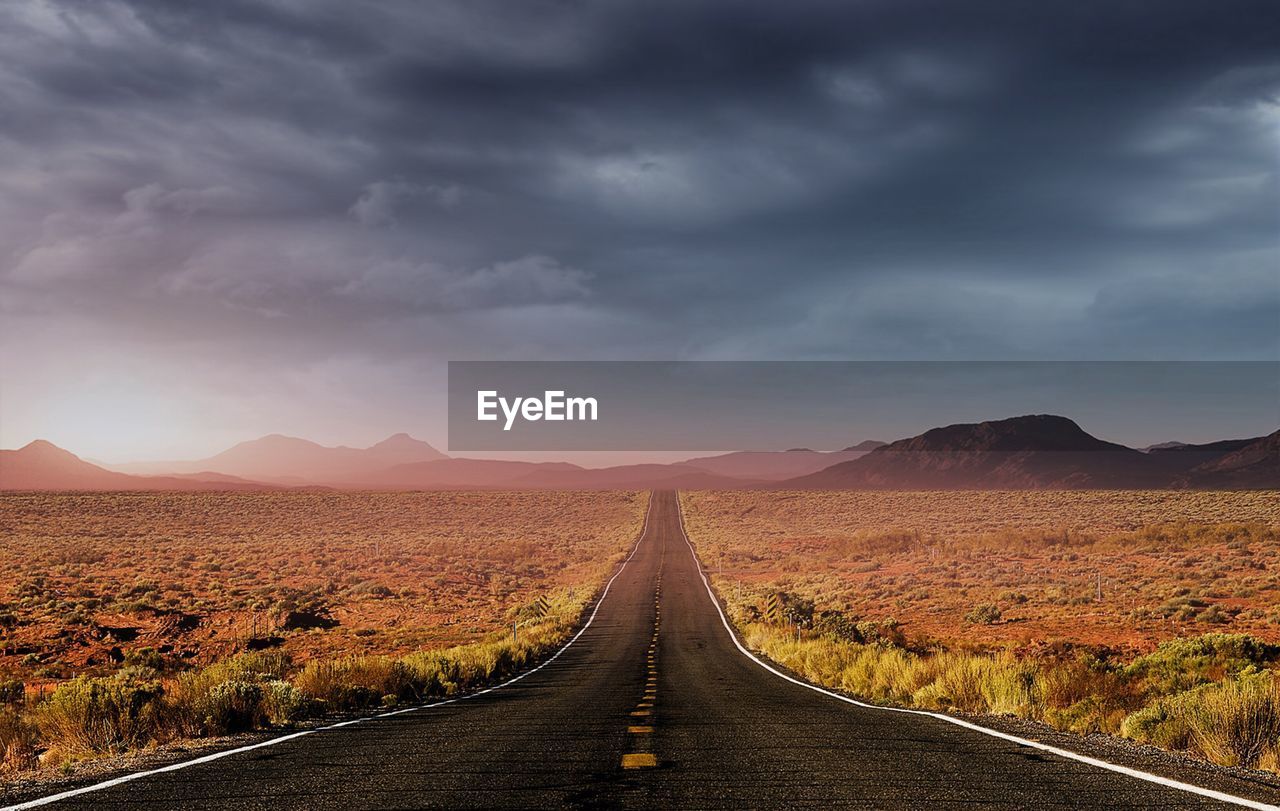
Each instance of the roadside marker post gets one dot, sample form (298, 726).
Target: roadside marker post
(772, 608)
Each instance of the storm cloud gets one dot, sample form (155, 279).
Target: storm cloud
(255, 206)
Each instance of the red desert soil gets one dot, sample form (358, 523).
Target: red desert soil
(1171, 563)
(88, 579)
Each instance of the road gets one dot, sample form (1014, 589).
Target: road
(654, 706)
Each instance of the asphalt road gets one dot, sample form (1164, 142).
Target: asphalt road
(657, 684)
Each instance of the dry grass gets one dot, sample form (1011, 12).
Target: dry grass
(137, 707)
(1025, 567)
(93, 582)
(135, 619)
(988, 603)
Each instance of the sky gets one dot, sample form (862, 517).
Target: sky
(221, 220)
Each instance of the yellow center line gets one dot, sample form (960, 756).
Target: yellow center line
(639, 760)
(640, 730)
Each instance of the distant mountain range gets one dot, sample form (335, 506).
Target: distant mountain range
(1046, 452)
(1030, 452)
(774, 466)
(42, 465)
(289, 460)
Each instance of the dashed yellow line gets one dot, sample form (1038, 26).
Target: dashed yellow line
(639, 760)
(643, 710)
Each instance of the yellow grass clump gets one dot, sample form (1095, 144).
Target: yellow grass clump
(1145, 614)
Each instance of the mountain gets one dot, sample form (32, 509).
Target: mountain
(1030, 452)
(1163, 446)
(1181, 459)
(41, 465)
(290, 460)
(775, 465)
(1255, 466)
(1219, 447)
(866, 445)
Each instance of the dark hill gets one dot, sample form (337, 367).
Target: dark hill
(1031, 452)
(1256, 466)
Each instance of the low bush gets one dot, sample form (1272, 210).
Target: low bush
(1182, 664)
(985, 614)
(284, 705)
(12, 691)
(19, 741)
(1208, 695)
(92, 716)
(355, 683)
(1236, 722)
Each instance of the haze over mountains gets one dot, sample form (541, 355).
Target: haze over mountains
(42, 465)
(1029, 452)
(1045, 452)
(289, 460)
(775, 466)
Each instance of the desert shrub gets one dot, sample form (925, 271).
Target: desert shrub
(356, 682)
(19, 741)
(1011, 687)
(985, 614)
(205, 534)
(887, 631)
(980, 684)
(1182, 664)
(12, 691)
(232, 706)
(1091, 714)
(1236, 722)
(1216, 615)
(227, 696)
(957, 685)
(144, 657)
(1158, 724)
(837, 625)
(431, 673)
(371, 588)
(284, 704)
(254, 666)
(1066, 683)
(88, 716)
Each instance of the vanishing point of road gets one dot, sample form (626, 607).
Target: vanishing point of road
(654, 705)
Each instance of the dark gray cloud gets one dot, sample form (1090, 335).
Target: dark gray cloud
(257, 193)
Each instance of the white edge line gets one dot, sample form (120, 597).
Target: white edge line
(173, 767)
(1065, 753)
